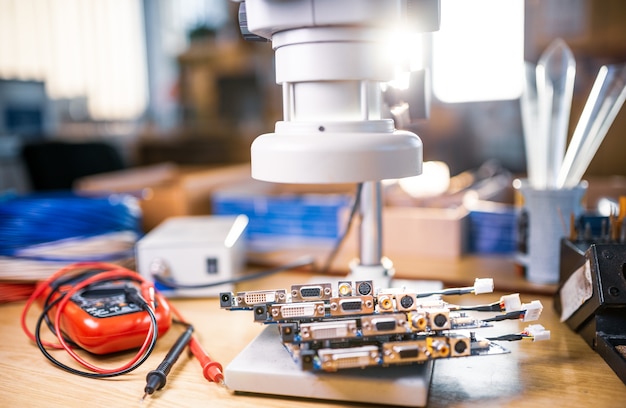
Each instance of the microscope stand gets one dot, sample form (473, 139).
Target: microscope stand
(266, 367)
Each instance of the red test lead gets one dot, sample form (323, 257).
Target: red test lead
(212, 370)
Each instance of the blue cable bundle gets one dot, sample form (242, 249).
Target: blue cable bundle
(28, 221)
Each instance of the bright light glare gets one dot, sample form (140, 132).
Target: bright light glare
(607, 207)
(240, 224)
(478, 54)
(405, 50)
(434, 180)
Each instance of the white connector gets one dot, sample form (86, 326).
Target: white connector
(483, 285)
(511, 303)
(532, 310)
(538, 332)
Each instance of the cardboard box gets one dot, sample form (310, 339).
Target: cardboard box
(166, 190)
(435, 233)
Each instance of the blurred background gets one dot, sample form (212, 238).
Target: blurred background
(153, 81)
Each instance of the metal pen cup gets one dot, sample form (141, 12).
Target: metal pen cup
(544, 219)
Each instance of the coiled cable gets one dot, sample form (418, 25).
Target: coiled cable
(28, 223)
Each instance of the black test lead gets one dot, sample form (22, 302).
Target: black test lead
(156, 379)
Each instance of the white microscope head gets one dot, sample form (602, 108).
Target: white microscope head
(330, 61)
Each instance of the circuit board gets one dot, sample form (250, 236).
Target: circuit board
(349, 325)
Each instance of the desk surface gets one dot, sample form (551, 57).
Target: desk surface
(563, 371)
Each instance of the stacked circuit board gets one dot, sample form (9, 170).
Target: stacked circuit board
(355, 325)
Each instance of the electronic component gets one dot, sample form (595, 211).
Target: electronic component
(406, 301)
(251, 298)
(532, 311)
(529, 312)
(340, 329)
(464, 321)
(227, 299)
(351, 305)
(388, 327)
(193, 251)
(103, 308)
(301, 310)
(483, 285)
(344, 288)
(358, 288)
(384, 324)
(364, 288)
(385, 302)
(305, 293)
(261, 313)
(404, 352)
(438, 346)
(459, 346)
(104, 318)
(537, 332)
(438, 319)
(592, 297)
(418, 321)
(353, 357)
(510, 302)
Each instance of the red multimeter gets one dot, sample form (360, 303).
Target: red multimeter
(101, 320)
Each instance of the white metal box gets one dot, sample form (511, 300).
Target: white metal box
(194, 251)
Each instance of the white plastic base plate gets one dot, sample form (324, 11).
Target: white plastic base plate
(266, 367)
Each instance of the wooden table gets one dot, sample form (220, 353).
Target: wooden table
(562, 372)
